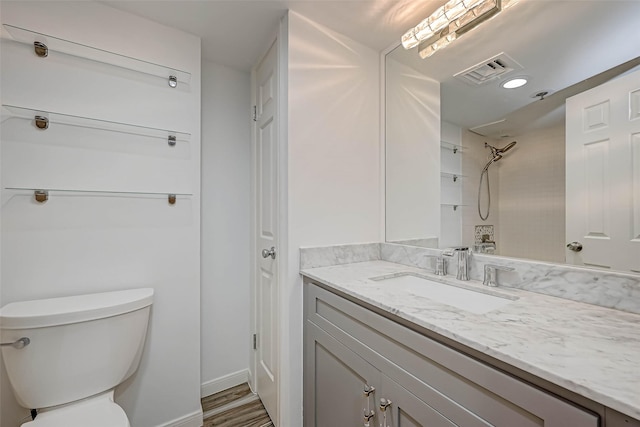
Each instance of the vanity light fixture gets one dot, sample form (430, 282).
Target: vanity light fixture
(449, 22)
(514, 83)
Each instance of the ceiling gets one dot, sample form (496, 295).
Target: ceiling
(234, 32)
(558, 43)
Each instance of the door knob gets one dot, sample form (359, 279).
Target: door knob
(575, 246)
(266, 253)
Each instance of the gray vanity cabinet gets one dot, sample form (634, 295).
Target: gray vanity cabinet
(337, 379)
(428, 383)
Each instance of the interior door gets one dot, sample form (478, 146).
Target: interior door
(266, 228)
(603, 175)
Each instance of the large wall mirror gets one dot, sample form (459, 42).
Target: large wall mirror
(548, 171)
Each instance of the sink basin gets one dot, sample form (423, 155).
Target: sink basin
(462, 298)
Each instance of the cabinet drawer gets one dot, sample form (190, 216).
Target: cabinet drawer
(465, 390)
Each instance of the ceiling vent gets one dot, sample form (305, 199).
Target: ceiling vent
(488, 70)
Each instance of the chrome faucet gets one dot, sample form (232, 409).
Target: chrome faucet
(463, 260)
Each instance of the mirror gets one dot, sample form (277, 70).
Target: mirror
(441, 111)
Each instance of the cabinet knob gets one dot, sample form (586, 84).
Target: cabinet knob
(368, 415)
(368, 389)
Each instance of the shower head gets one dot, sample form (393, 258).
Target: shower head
(496, 153)
(507, 147)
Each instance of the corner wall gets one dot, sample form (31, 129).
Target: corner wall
(226, 196)
(334, 177)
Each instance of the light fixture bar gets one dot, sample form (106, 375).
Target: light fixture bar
(463, 23)
(439, 20)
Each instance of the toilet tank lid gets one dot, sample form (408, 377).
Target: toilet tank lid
(73, 309)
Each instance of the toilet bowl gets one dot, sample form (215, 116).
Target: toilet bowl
(72, 352)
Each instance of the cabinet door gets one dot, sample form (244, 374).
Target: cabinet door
(406, 410)
(334, 381)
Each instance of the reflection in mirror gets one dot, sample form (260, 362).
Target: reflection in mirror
(449, 118)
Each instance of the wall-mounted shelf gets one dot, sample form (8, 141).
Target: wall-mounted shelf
(43, 44)
(455, 206)
(45, 119)
(42, 195)
(451, 146)
(455, 177)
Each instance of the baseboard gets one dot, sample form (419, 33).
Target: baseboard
(220, 384)
(192, 420)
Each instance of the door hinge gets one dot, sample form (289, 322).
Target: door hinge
(255, 341)
(255, 113)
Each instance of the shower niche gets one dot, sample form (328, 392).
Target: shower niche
(452, 181)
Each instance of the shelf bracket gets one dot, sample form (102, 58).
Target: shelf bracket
(172, 140)
(41, 122)
(455, 150)
(173, 81)
(455, 178)
(41, 49)
(455, 207)
(41, 196)
(172, 199)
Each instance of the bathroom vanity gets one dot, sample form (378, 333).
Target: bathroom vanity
(384, 347)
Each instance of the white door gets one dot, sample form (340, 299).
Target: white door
(603, 175)
(266, 230)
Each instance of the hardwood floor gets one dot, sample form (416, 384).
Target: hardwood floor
(235, 407)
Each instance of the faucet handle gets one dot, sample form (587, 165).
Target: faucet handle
(491, 274)
(441, 265)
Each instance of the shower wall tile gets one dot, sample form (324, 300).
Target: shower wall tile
(531, 197)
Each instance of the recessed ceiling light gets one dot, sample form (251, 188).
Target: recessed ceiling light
(514, 83)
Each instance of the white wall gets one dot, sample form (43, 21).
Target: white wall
(412, 154)
(226, 192)
(532, 196)
(334, 173)
(84, 244)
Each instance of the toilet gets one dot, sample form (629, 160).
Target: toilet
(65, 356)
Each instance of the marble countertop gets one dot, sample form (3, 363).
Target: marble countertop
(590, 350)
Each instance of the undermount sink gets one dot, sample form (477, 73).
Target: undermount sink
(465, 299)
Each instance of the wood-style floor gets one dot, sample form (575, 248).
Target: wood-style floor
(235, 407)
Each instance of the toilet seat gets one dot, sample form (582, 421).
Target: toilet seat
(99, 411)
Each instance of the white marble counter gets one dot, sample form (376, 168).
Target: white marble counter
(590, 350)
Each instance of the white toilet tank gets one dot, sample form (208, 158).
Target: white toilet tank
(79, 346)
